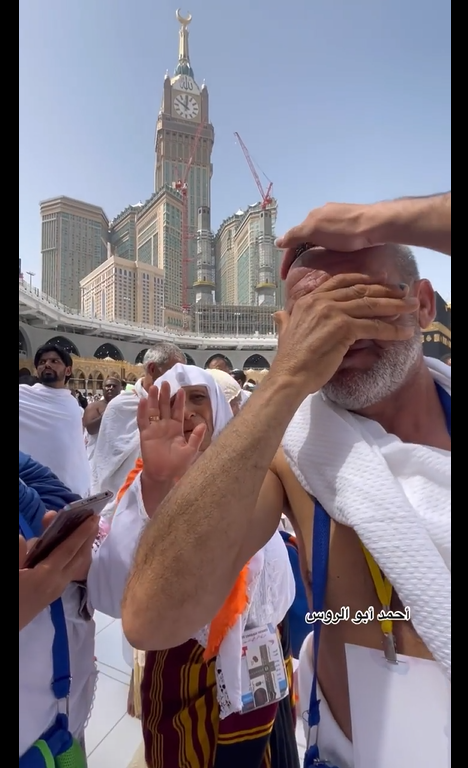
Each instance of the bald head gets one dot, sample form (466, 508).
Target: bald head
(112, 388)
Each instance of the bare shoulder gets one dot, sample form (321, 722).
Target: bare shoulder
(95, 407)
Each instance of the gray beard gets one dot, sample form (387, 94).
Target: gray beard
(358, 389)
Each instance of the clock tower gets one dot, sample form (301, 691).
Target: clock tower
(185, 106)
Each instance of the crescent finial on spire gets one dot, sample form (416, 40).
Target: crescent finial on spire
(183, 21)
(183, 67)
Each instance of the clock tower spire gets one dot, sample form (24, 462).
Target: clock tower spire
(183, 67)
(185, 105)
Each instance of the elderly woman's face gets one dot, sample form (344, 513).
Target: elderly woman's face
(198, 410)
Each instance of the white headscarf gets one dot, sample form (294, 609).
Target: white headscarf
(191, 376)
(228, 384)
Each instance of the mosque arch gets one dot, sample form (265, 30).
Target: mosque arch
(256, 363)
(24, 345)
(79, 380)
(108, 350)
(24, 372)
(65, 344)
(140, 356)
(219, 356)
(99, 379)
(189, 358)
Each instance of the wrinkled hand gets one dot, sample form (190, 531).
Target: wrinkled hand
(325, 323)
(165, 452)
(46, 582)
(336, 226)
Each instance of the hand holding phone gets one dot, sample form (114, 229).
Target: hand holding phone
(66, 522)
(39, 586)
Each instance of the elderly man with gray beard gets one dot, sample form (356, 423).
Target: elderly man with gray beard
(352, 433)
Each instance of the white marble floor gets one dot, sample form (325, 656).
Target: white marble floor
(112, 737)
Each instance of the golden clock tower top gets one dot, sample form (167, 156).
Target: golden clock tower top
(185, 104)
(183, 145)
(183, 66)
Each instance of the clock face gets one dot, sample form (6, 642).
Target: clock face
(186, 106)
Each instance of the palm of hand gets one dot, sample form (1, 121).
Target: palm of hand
(165, 452)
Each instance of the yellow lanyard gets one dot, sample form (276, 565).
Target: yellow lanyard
(384, 592)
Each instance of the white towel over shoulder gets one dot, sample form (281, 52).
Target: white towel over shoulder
(118, 444)
(51, 431)
(396, 496)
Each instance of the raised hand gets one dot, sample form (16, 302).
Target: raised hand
(424, 222)
(325, 323)
(336, 226)
(165, 452)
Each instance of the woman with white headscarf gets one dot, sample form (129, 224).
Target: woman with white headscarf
(197, 722)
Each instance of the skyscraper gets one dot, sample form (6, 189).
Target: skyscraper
(246, 258)
(122, 233)
(184, 112)
(159, 244)
(74, 242)
(124, 291)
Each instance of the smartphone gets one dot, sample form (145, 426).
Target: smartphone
(65, 523)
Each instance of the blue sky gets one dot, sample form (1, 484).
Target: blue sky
(336, 100)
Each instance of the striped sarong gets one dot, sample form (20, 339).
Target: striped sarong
(180, 718)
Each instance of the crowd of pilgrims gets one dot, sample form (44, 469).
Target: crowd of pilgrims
(349, 434)
(73, 444)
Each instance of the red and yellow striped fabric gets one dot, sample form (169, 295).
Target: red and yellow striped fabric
(181, 725)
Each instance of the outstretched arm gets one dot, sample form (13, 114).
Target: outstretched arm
(424, 222)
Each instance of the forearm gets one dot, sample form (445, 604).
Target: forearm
(193, 550)
(424, 222)
(153, 494)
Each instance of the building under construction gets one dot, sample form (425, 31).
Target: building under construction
(233, 320)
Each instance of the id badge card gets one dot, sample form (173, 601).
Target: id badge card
(400, 713)
(263, 673)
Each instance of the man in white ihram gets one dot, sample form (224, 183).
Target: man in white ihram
(118, 443)
(352, 415)
(51, 420)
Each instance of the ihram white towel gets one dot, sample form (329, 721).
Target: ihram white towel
(51, 431)
(118, 444)
(396, 496)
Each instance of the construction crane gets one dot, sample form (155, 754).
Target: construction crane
(266, 196)
(182, 187)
